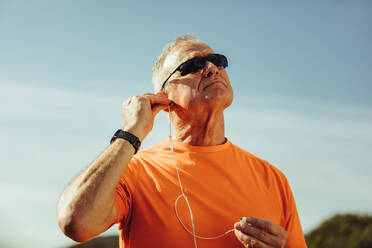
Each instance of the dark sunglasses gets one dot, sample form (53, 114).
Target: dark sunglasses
(196, 64)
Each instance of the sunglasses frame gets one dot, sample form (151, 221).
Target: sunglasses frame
(204, 59)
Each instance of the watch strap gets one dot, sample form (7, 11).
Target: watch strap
(134, 140)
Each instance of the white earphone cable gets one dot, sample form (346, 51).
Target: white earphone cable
(184, 196)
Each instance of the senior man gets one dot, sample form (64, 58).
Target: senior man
(220, 181)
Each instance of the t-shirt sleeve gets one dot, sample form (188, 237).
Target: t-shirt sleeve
(124, 192)
(292, 225)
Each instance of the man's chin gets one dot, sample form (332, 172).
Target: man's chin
(218, 101)
(215, 93)
(218, 94)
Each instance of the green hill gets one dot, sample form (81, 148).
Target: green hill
(339, 231)
(342, 231)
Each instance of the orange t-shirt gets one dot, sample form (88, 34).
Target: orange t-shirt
(222, 184)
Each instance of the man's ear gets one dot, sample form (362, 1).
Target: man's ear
(169, 107)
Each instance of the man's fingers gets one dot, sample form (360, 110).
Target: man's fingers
(267, 225)
(249, 241)
(158, 107)
(158, 103)
(152, 98)
(155, 99)
(260, 234)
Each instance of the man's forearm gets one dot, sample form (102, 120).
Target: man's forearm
(86, 207)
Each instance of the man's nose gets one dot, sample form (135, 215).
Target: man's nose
(210, 69)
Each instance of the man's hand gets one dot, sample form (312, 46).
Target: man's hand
(260, 233)
(139, 112)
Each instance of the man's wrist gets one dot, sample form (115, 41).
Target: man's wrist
(131, 138)
(126, 143)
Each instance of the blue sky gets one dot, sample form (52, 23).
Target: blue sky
(301, 73)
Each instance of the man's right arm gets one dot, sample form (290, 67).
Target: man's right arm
(86, 207)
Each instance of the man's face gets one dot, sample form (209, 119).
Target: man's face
(207, 89)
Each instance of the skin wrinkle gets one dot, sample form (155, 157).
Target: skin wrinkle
(206, 130)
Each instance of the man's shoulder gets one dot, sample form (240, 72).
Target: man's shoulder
(243, 152)
(258, 161)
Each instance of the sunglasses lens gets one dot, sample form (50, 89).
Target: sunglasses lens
(218, 60)
(191, 66)
(224, 62)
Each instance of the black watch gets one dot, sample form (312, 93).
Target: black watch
(134, 140)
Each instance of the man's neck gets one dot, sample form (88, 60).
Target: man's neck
(209, 130)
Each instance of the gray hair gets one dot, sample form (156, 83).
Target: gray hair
(158, 66)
